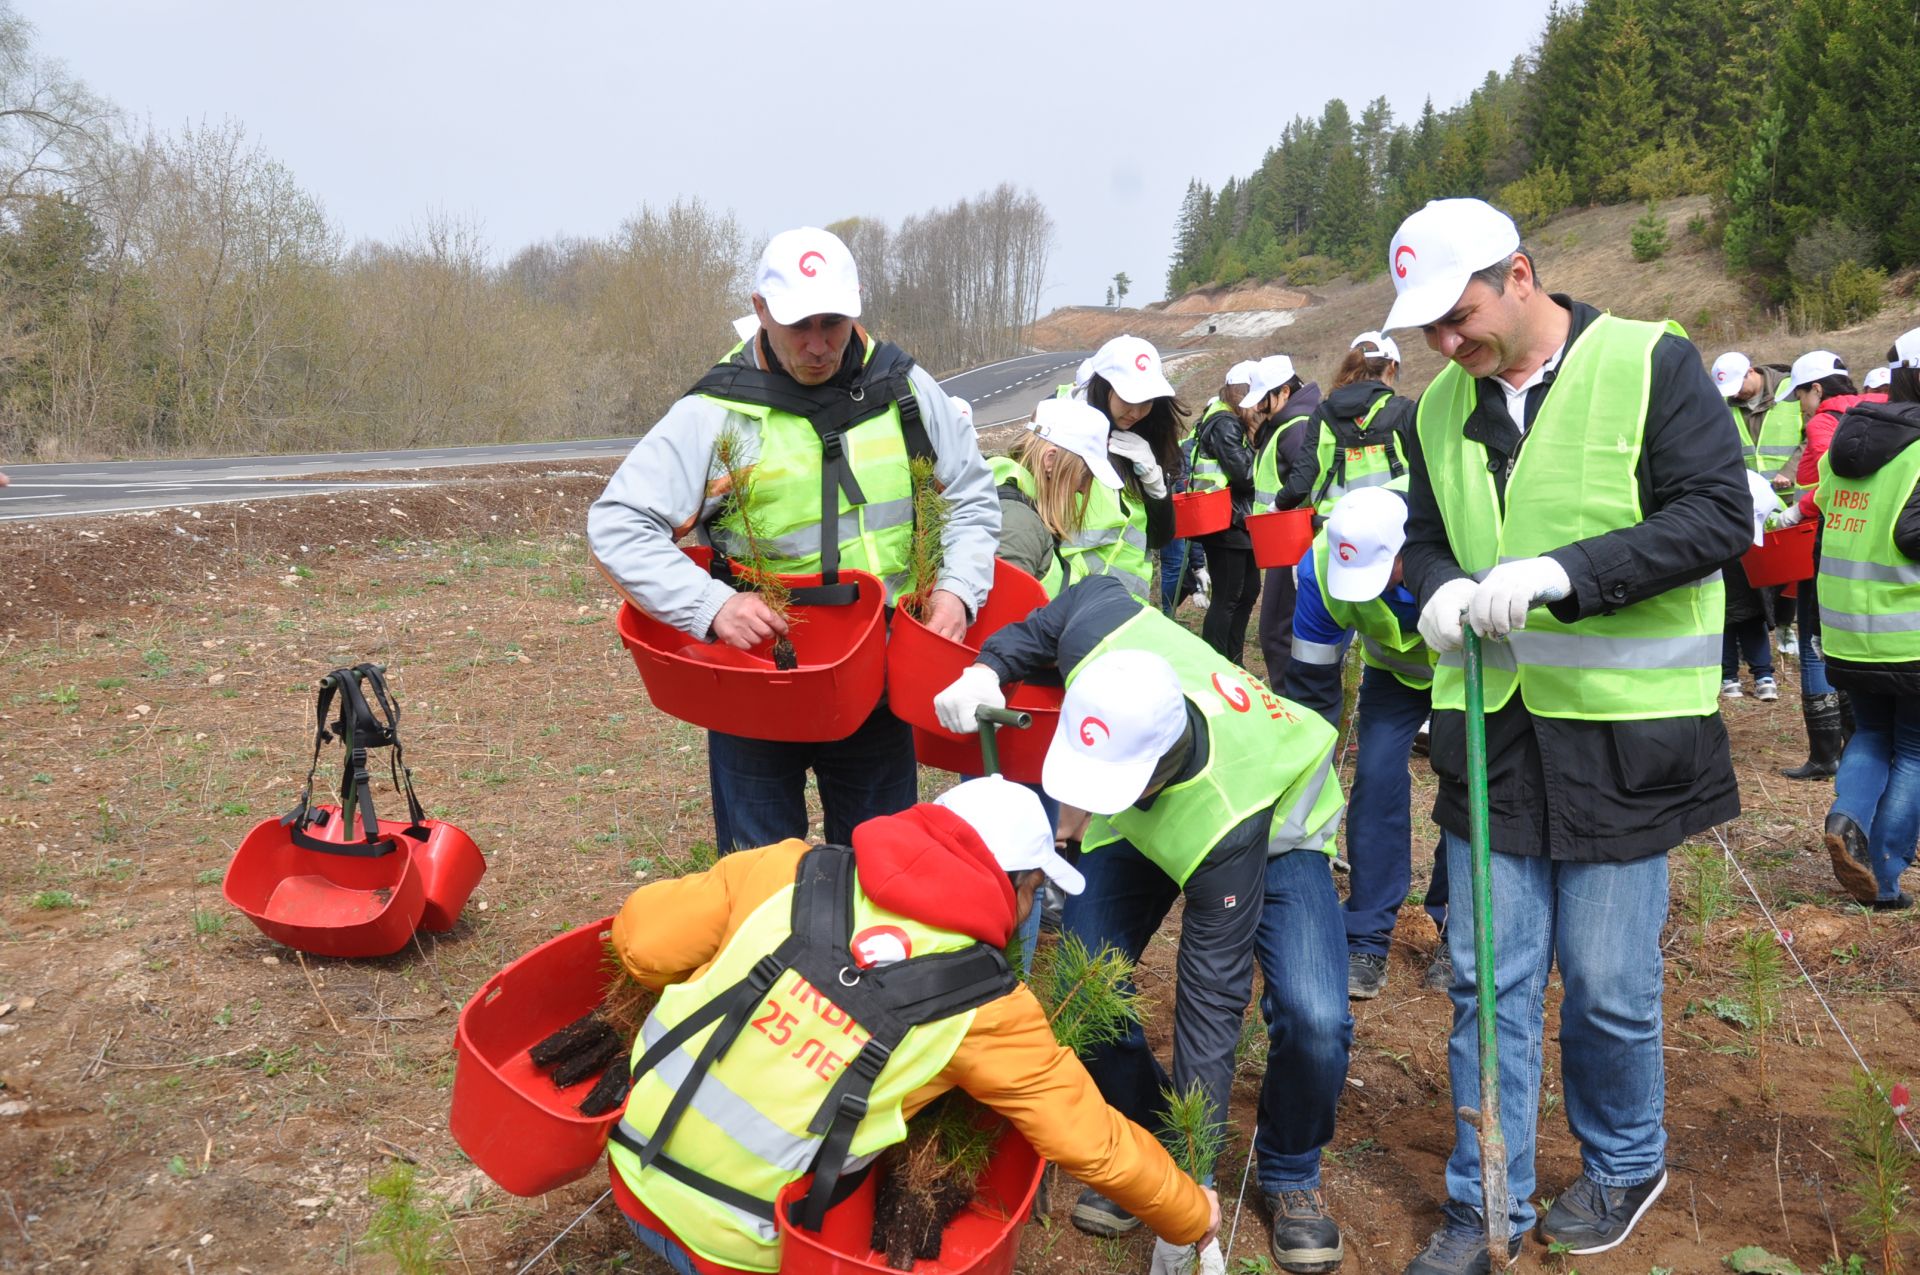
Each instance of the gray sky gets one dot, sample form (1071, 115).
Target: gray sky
(565, 116)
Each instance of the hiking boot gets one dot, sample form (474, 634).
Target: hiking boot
(1095, 1214)
(1898, 903)
(1847, 847)
(1788, 647)
(1366, 975)
(1459, 1247)
(1304, 1238)
(1766, 690)
(1730, 689)
(1822, 715)
(1590, 1218)
(1423, 738)
(1439, 975)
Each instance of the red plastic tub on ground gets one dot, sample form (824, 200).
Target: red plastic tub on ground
(507, 1116)
(450, 865)
(983, 1240)
(1786, 557)
(327, 904)
(1282, 538)
(1201, 513)
(842, 654)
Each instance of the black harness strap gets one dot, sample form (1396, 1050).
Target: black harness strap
(358, 722)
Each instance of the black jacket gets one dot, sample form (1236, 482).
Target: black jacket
(1602, 791)
(1340, 414)
(1223, 436)
(1867, 438)
(1299, 409)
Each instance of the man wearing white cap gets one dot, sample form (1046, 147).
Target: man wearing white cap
(1351, 582)
(1199, 783)
(829, 420)
(1771, 432)
(866, 981)
(1581, 461)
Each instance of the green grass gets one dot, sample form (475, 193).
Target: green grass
(207, 922)
(55, 900)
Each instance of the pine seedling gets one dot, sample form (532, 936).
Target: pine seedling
(927, 1179)
(1712, 896)
(928, 551)
(415, 1238)
(1089, 997)
(750, 563)
(1193, 1134)
(1881, 1163)
(1760, 977)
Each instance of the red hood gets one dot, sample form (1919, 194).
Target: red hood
(929, 864)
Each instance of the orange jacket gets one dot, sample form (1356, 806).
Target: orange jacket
(669, 931)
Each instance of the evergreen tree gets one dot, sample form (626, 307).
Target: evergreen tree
(1622, 120)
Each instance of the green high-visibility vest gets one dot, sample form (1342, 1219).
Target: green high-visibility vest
(1369, 466)
(1267, 478)
(875, 535)
(1112, 540)
(1575, 478)
(1383, 643)
(1207, 474)
(1782, 430)
(1869, 590)
(1063, 391)
(1262, 751)
(1010, 472)
(748, 1122)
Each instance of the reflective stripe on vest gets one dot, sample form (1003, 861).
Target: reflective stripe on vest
(1782, 430)
(1370, 466)
(1869, 589)
(1267, 478)
(1575, 478)
(1206, 473)
(1110, 542)
(1262, 752)
(1383, 643)
(747, 1125)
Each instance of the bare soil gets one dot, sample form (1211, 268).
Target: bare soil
(182, 1094)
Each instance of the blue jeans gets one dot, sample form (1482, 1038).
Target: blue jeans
(1752, 639)
(760, 785)
(1878, 785)
(666, 1249)
(1380, 815)
(1179, 559)
(1601, 922)
(1813, 659)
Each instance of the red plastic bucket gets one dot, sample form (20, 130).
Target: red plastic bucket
(326, 904)
(1022, 752)
(842, 654)
(983, 1240)
(1785, 557)
(1282, 538)
(450, 865)
(1201, 513)
(921, 663)
(523, 1133)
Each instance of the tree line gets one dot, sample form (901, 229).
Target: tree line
(1800, 117)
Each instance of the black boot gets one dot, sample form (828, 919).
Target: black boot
(1847, 847)
(1822, 714)
(1846, 719)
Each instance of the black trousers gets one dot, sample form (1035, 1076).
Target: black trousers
(1276, 624)
(1236, 587)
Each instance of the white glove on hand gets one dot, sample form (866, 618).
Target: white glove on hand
(1203, 580)
(1440, 622)
(1791, 516)
(1139, 453)
(1501, 603)
(1181, 1259)
(978, 687)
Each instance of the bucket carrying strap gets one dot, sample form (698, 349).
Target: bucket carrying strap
(357, 723)
(832, 410)
(1346, 434)
(886, 1001)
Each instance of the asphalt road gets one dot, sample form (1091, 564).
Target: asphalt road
(999, 392)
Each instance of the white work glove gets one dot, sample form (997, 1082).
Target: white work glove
(1139, 453)
(1501, 603)
(978, 687)
(1201, 601)
(1441, 620)
(1791, 516)
(1181, 1259)
(1203, 580)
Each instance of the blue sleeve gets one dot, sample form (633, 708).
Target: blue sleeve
(1319, 648)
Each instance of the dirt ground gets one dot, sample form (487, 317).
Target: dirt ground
(182, 1094)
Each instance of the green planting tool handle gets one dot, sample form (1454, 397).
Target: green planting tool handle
(989, 719)
(1493, 1142)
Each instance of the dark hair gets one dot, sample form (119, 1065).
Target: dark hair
(1903, 385)
(1358, 366)
(1293, 386)
(1496, 275)
(1163, 426)
(1831, 386)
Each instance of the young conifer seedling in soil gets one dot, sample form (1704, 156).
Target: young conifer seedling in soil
(736, 519)
(1194, 1136)
(1880, 1163)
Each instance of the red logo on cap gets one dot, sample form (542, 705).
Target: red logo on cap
(880, 945)
(1236, 696)
(1403, 251)
(1140, 361)
(1086, 732)
(809, 271)
(1346, 551)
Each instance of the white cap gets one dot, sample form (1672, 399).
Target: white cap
(1765, 501)
(1269, 374)
(1123, 712)
(1132, 367)
(746, 325)
(1814, 365)
(1730, 373)
(1240, 373)
(962, 409)
(1435, 253)
(1379, 346)
(1906, 350)
(1079, 427)
(1878, 378)
(806, 272)
(1365, 531)
(1015, 827)
(1083, 373)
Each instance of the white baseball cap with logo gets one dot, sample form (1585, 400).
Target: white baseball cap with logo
(1121, 715)
(806, 272)
(1132, 367)
(1269, 374)
(1814, 365)
(1241, 373)
(1906, 350)
(1730, 373)
(1366, 530)
(1435, 253)
(1879, 378)
(1079, 427)
(1014, 826)
(1378, 346)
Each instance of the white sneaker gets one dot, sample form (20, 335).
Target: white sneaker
(1789, 645)
(1765, 689)
(1730, 689)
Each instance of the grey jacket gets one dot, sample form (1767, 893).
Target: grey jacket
(665, 488)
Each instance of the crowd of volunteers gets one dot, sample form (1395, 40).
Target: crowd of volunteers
(1577, 488)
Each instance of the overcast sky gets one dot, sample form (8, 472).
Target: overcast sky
(565, 116)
